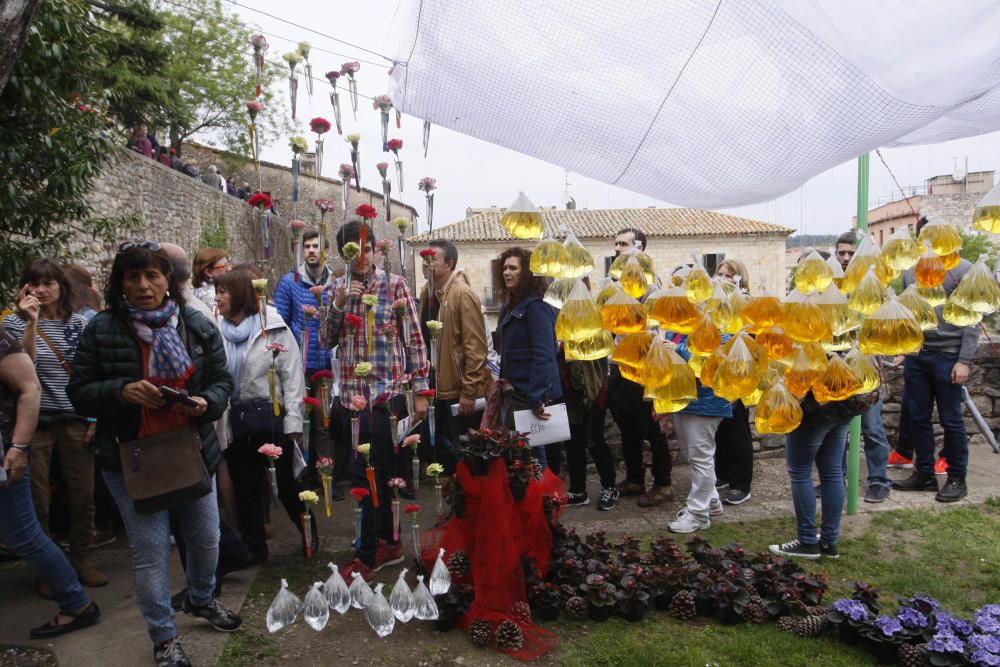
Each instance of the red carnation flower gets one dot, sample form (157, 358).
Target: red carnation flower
(412, 509)
(353, 321)
(310, 401)
(325, 374)
(428, 253)
(367, 211)
(319, 125)
(394, 144)
(427, 393)
(359, 493)
(260, 200)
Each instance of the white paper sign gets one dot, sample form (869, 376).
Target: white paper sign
(543, 431)
(403, 427)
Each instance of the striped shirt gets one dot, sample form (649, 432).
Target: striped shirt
(51, 374)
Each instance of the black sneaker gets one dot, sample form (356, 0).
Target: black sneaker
(829, 550)
(170, 654)
(917, 481)
(221, 618)
(609, 498)
(795, 549)
(574, 499)
(877, 493)
(736, 496)
(953, 490)
(720, 485)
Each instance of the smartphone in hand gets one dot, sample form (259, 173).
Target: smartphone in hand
(171, 396)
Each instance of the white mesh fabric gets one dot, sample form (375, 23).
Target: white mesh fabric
(703, 103)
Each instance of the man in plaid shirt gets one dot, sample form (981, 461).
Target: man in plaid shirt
(391, 357)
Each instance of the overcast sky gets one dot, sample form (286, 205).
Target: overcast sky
(474, 173)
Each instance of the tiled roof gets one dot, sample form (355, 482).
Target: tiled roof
(605, 223)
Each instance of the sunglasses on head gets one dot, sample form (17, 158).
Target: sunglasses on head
(132, 245)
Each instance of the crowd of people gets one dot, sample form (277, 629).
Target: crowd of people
(180, 351)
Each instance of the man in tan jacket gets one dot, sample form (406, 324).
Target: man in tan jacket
(460, 374)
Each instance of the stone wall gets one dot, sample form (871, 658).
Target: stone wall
(952, 209)
(176, 208)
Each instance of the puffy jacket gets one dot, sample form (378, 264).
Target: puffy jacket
(289, 297)
(462, 348)
(707, 403)
(527, 335)
(108, 357)
(291, 382)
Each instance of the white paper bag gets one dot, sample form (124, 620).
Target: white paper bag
(543, 431)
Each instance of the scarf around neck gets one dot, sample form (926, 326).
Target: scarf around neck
(169, 361)
(237, 339)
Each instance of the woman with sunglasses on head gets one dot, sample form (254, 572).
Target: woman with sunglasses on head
(49, 332)
(144, 348)
(208, 264)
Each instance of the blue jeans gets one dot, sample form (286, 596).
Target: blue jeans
(149, 542)
(21, 532)
(822, 444)
(876, 445)
(927, 378)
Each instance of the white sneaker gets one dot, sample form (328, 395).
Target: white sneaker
(715, 507)
(688, 523)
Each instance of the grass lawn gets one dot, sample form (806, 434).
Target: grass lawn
(950, 554)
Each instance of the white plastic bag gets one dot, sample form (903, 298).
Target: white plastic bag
(283, 609)
(338, 596)
(316, 611)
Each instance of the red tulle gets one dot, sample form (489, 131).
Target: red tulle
(495, 531)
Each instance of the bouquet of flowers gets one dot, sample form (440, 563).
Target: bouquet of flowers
(320, 126)
(383, 104)
(308, 498)
(335, 98)
(293, 58)
(428, 185)
(354, 140)
(395, 145)
(349, 69)
(272, 452)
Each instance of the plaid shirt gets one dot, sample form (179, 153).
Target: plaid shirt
(406, 353)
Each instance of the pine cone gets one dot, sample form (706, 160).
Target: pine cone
(809, 626)
(520, 612)
(480, 633)
(755, 598)
(682, 606)
(576, 607)
(458, 564)
(754, 613)
(912, 656)
(566, 592)
(509, 636)
(786, 623)
(817, 610)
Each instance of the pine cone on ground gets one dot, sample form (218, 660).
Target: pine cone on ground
(576, 607)
(753, 613)
(509, 636)
(786, 623)
(520, 612)
(458, 564)
(566, 592)
(682, 606)
(480, 633)
(817, 610)
(912, 656)
(809, 626)
(755, 598)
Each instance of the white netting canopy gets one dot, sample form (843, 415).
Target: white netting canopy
(703, 103)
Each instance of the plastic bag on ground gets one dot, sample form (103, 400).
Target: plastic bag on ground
(338, 596)
(283, 610)
(379, 614)
(401, 599)
(316, 610)
(425, 606)
(361, 592)
(440, 576)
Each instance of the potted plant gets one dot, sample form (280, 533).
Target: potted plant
(452, 606)
(851, 617)
(546, 600)
(704, 595)
(664, 582)
(601, 597)
(731, 597)
(633, 598)
(885, 635)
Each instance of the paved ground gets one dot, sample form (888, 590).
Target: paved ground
(121, 638)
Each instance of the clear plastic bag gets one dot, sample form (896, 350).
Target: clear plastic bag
(579, 261)
(623, 314)
(379, 614)
(361, 592)
(805, 321)
(558, 292)
(633, 279)
(737, 375)
(943, 238)
(549, 258)
(901, 252)
(813, 274)
(440, 577)
(921, 308)
(682, 388)
(656, 367)
(763, 310)
(865, 369)
(338, 596)
(838, 383)
(866, 257)
(987, 214)
(698, 284)
(778, 411)
(283, 610)
(978, 290)
(929, 271)
(579, 318)
(425, 606)
(705, 337)
(868, 295)
(674, 311)
(316, 610)
(890, 330)
(401, 599)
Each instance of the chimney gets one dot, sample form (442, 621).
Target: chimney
(571, 204)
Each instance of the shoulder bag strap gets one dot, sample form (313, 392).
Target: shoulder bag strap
(55, 350)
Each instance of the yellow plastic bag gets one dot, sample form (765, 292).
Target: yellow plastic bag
(558, 292)
(622, 314)
(645, 261)
(958, 315)
(813, 274)
(763, 310)
(631, 349)
(674, 312)
(549, 258)
(805, 321)
(901, 252)
(597, 346)
(933, 295)
(801, 375)
(776, 342)
(890, 330)
(633, 280)
(657, 367)
(921, 309)
(868, 295)
(929, 270)
(865, 369)
(842, 319)
(866, 257)
(720, 307)
(943, 238)
(838, 383)
(578, 262)
(682, 388)
(737, 375)
(778, 410)
(978, 290)
(705, 338)
(698, 284)
(579, 318)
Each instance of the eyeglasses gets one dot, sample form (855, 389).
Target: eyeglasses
(132, 245)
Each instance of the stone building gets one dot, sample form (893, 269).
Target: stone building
(942, 199)
(674, 235)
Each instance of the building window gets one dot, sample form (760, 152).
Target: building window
(711, 261)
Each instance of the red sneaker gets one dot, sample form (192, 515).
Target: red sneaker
(897, 460)
(387, 554)
(941, 466)
(358, 566)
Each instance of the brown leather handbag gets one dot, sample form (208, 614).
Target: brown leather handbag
(164, 470)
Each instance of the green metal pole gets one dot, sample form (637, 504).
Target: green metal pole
(854, 442)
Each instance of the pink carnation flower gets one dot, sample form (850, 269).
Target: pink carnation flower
(270, 450)
(358, 403)
(411, 440)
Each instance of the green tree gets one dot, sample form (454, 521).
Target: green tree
(210, 75)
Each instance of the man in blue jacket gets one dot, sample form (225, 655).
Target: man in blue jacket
(289, 297)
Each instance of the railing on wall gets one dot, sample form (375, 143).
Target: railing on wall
(491, 298)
